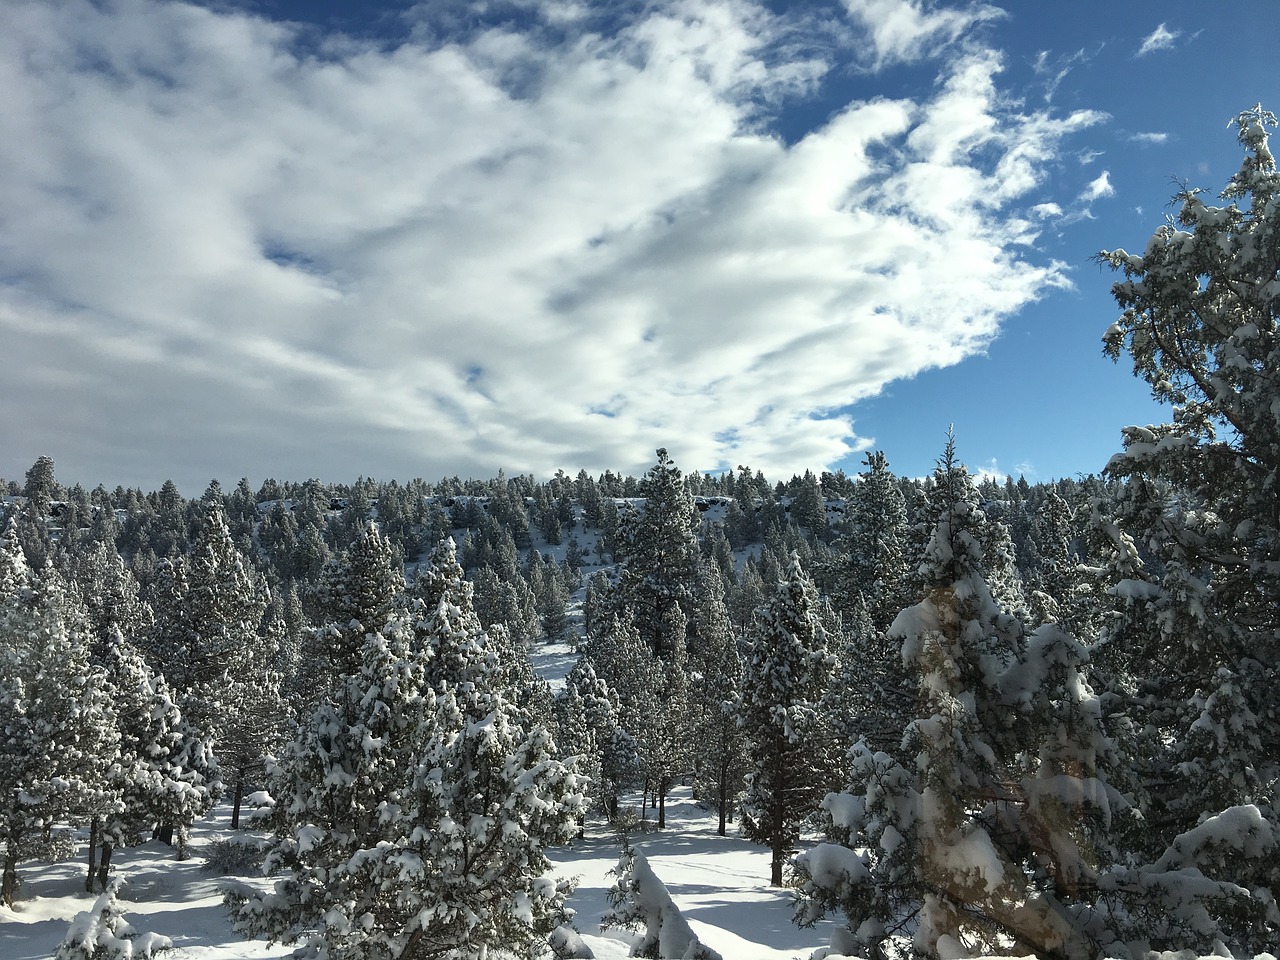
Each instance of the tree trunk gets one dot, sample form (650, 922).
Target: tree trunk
(93, 852)
(775, 876)
(724, 806)
(235, 807)
(9, 880)
(662, 804)
(104, 862)
(164, 833)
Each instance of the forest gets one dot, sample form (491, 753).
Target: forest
(964, 716)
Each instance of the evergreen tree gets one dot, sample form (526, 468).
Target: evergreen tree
(57, 727)
(413, 811)
(792, 753)
(628, 665)
(715, 670)
(808, 508)
(164, 772)
(599, 724)
(358, 592)
(658, 550)
(1195, 636)
(102, 933)
(991, 828)
(873, 562)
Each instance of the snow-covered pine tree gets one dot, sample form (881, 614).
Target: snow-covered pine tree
(164, 772)
(671, 728)
(487, 800)
(413, 811)
(458, 648)
(638, 900)
(619, 762)
(658, 549)
(874, 564)
(715, 670)
(336, 800)
(102, 933)
(110, 594)
(793, 755)
(57, 726)
(872, 695)
(359, 591)
(990, 828)
(628, 665)
(1199, 322)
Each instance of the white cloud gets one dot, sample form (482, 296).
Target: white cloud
(1056, 70)
(1160, 38)
(1098, 188)
(908, 30)
(1149, 139)
(224, 257)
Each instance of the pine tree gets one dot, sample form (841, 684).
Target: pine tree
(792, 753)
(57, 728)
(989, 826)
(808, 508)
(638, 900)
(873, 556)
(337, 791)
(600, 724)
(1196, 536)
(164, 772)
(715, 669)
(102, 933)
(658, 550)
(413, 811)
(358, 592)
(628, 666)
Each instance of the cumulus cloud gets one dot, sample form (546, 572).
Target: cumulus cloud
(225, 253)
(1161, 38)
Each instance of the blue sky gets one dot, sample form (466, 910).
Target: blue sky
(330, 239)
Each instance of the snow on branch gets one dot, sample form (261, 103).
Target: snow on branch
(640, 900)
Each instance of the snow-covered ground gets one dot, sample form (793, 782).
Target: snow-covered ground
(719, 883)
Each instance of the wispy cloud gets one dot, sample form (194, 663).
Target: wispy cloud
(1099, 187)
(1054, 70)
(223, 255)
(909, 30)
(1161, 38)
(1149, 139)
